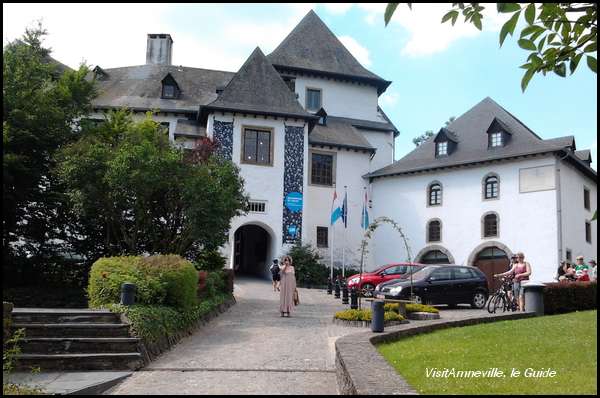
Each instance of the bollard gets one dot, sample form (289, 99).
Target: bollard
(377, 315)
(344, 294)
(534, 297)
(127, 293)
(337, 289)
(329, 286)
(353, 298)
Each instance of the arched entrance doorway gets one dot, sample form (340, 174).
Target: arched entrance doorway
(434, 257)
(492, 260)
(252, 251)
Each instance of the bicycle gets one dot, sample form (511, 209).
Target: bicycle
(501, 299)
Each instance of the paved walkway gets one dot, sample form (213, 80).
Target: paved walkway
(250, 349)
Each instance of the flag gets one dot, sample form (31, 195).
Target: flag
(336, 212)
(364, 222)
(345, 210)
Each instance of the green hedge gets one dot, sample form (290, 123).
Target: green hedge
(160, 280)
(411, 308)
(365, 315)
(570, 296)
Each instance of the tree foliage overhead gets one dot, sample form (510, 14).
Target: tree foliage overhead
(41, 102)
(557, 35)
(133, 192)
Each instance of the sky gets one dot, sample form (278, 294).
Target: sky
(437, 70)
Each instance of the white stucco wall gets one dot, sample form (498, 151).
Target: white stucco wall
(344, 99)
(349, 167)
(527, 221)
(574, 214)
(262, 183)
(384, 142)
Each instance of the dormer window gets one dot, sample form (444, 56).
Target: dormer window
(496, 139)
(442, 148)
(322, 117)
(170, 89)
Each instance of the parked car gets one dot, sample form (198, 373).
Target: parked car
(440, 284)
(369, 280)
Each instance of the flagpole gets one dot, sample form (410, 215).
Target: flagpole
(331, 253)
(345, 219)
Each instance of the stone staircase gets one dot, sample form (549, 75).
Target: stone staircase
(63, 339)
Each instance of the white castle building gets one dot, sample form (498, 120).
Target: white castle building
(304, 121)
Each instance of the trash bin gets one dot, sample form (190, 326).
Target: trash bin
(534, 297)
(377, 315)
(127, 293)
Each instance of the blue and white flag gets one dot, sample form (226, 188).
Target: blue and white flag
(364, 221)
(336, 212)
(345, 209)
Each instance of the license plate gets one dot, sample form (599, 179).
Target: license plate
(380, 296)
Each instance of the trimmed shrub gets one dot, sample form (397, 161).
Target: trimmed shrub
(160, 280)
(215, 284)
(210, 261)
(365, 315)
(570, 296)
(395, 307)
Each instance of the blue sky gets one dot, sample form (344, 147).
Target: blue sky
(437, 71)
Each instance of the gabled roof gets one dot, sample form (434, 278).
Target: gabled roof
(445, 134)
(257, 88)
(470, 130)
(585, 155)
(140, 88)
(311, 46)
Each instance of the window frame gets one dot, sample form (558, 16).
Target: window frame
(441, 194)
(485, 186)
(587, 198)
(588, 232)
(271, 132)
(333, 167)
(442, 144)
(320, 244)
(500, 135)
(483, 225)
(428, 233)
(307, 89)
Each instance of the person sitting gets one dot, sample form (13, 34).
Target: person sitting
(580, 267)
(584, 277)
(592, 272)
(569, 272)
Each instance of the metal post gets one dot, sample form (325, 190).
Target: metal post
(329, 286)
(344, 293)
(337, 288)
(353, 298)
(377, 318)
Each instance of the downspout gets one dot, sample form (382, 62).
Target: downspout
(559, 208)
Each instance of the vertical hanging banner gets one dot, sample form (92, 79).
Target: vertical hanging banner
(293, 180)
(223, 138)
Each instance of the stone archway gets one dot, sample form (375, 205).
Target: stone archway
(491, 258)
(253, 250)
(430, 248)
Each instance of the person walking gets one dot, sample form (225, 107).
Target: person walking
(275, 274)
(287, 286)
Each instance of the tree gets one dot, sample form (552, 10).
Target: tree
(557, 35)
(133, 192)
(42, 99)
(429, 133)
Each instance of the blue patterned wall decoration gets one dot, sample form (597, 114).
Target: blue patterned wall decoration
(293, 178)
(223, 137)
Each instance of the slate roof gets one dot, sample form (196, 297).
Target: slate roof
(470, 129)
(189, 128)
(584, 154)
(311, 46)
(139, 87)
(339, 132)
(258, 88)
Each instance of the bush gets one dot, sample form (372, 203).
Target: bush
(215, 284)
(365, 315)
(410, 308)
(159, 280)
(310, 272)
(210, 261)
(570, 296)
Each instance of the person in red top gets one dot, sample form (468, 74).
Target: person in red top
(520, 271)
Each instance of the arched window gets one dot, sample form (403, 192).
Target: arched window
(490, 225)
(435, 194)
(434, 257)
(434, 231)
(491, 187)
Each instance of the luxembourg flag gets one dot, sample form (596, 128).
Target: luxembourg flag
(364, 221)
(336, 212)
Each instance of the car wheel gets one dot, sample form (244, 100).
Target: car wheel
(367, 290)
(479, 300)
(417, 299)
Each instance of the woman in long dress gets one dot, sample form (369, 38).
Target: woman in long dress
(287, 286)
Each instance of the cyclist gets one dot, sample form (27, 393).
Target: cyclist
(520, 271)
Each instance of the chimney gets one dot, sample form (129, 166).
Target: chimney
(159, 49)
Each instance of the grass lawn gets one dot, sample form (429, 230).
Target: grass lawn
(565, 344)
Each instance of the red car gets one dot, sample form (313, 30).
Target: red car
(381, 274)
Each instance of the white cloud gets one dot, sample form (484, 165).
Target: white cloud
(337, 8)
(389, 98)
(359, 52)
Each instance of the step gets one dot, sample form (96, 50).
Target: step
(78, 345)
(104, 361)
(43, 315)
(73, 329)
